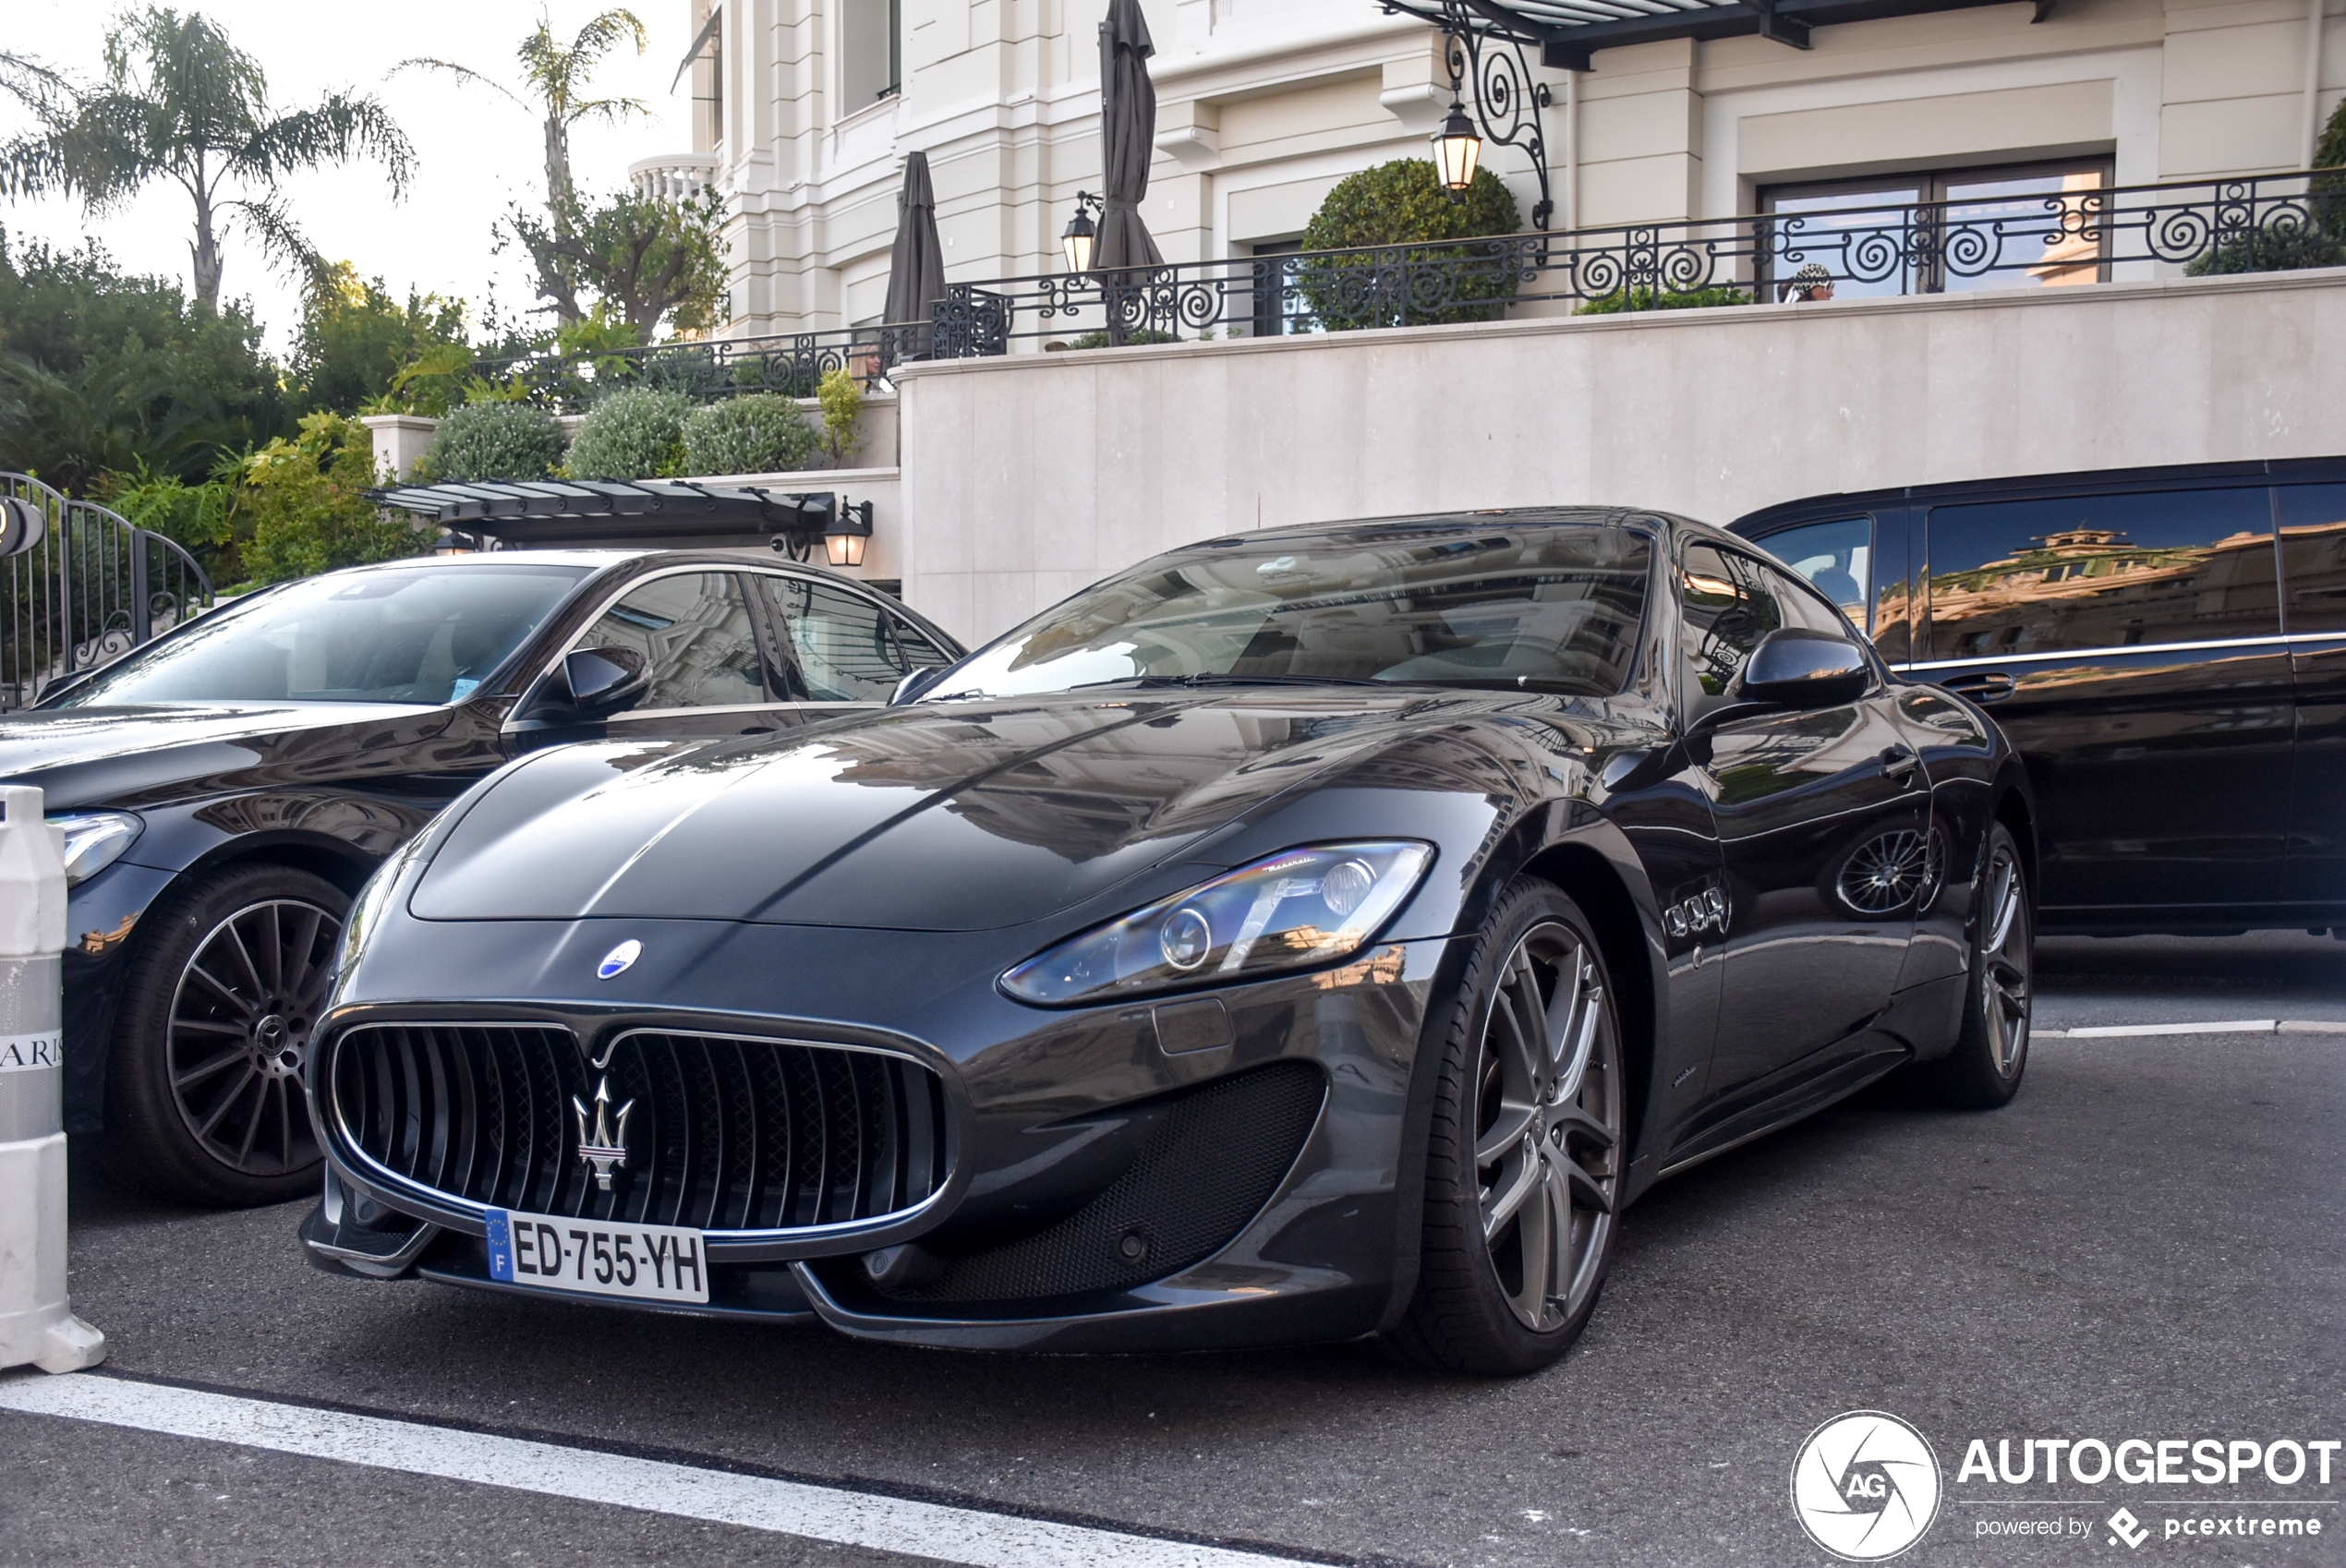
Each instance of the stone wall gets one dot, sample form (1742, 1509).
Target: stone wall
(1027, 478)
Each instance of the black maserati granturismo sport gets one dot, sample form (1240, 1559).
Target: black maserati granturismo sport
(225, 790)
(1303, 935)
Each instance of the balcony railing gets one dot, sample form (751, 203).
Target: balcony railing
(2068, 236)
(2048, 240)
(793, 364)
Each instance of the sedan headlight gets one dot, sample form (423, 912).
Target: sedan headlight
(94, 841)
(1298, 908)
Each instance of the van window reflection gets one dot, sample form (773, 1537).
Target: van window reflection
(2095, 572)
(2313, 555)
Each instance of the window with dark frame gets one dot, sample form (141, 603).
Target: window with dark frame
(2001, 227)
(1274, 311)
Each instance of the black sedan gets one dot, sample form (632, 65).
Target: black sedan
(227, 788)
(1297, 937)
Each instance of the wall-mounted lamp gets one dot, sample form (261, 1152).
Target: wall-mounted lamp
(1455, 151)
(843, 540)
(1079, 237)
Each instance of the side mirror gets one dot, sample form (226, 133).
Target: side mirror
(920, 679)
(588, 686)
(1797, 668)
(599, 681)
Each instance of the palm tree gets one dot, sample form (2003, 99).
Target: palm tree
(556, 75)
(180, 102)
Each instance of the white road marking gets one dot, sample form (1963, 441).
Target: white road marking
(2114, 1030)
(758, 1502)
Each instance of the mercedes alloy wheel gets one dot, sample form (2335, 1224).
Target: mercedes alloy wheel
(205, 1097)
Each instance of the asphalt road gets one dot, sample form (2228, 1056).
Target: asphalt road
(2146, 1244)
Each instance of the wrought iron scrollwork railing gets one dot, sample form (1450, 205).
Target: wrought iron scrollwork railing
(89, 588)
(793, 364)
(2049, 238)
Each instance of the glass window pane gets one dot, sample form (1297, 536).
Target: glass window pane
(692, 631)
(2313, 555)
(2095, 572)
(422, 633)
(1727, 607)
(1837, 557)
(1856, 234)
(1799, 604)
(1536, 609)
(848, 649)
(2009, 232)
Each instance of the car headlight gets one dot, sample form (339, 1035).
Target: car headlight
(1296, 909)
(94, 841)
(366, 909)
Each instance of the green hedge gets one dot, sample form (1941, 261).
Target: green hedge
(633, 434)
(493, 440)
(761, 433)
(1621, 300)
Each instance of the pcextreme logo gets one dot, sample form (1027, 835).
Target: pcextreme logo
(1866, 1486)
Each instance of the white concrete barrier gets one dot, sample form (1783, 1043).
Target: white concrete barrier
(37, 1325)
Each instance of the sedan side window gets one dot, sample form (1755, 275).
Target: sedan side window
(1837, 557)
(1727, 607)
(693, 629)
(848, 649)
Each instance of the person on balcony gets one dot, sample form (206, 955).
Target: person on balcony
(1812, 282)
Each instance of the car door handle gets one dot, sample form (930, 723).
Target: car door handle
(1987, 686)
(1901, 763)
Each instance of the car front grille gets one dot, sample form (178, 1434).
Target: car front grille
(723, 1133)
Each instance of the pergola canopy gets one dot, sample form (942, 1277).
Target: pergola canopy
(1566, 33)
(588, 511)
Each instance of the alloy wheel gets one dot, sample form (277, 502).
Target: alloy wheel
(2005, 951)
(241, 1020)
(1548, 1127)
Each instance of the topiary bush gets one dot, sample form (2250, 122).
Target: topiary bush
(1620, 300)
(493, 440)
(1403, 203)
(762, 433)
(633, 434)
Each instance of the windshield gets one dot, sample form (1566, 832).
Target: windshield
(1546, 608)
(426, 635)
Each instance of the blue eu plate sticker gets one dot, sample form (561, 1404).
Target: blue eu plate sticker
(500, 1245)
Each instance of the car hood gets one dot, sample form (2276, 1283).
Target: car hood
(955, 817)
(167, 740)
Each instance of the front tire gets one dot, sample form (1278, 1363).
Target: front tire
(1991, 1052)
(1527, 1147)
(204, 1101)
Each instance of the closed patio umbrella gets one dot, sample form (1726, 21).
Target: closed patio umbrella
(1128, 139)
(916, 264)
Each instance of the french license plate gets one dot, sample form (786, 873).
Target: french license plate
(639, 1263)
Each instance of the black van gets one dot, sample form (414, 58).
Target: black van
(2165, 646)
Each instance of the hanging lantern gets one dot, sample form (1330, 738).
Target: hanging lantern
(1455, 151)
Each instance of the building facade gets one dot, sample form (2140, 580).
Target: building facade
(806, 109)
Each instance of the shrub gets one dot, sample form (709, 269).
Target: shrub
(758, 434)
(1132, 339)
(842, 398)
(493, 440)
(1403, 203)
(2277, 250)
(1620, 300)
(306, 501)
(632, 434)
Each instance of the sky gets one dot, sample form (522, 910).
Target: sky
(476, 152)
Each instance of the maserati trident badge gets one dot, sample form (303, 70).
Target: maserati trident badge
(618, 958)
(603, 1146)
